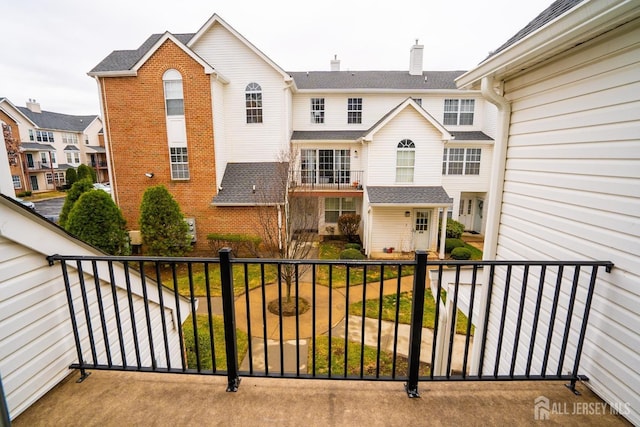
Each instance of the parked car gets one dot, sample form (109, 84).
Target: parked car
(27, 203)
(103, 187)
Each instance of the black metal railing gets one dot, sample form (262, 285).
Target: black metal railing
(316, 179)
(404, 321)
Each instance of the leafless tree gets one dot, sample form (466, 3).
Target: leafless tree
(290, 231)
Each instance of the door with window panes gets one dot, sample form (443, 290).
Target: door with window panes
(465, 213)
(421, 229)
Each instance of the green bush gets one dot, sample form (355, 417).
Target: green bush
(451, 244)
(77, 189)
(162, 225)
(70, 176)
(351, 254)
(356, 246)
(24, 194)
(85, 172)
(454, 229)
(97, 220)
(461, 253)
(240, 244)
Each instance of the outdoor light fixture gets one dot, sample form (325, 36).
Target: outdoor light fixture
(407, 214)
(149, 174)
(254, 188)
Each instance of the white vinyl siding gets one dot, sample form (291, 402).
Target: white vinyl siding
(571, 192)
(246, 142)
(36, 339)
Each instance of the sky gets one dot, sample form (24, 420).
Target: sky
(48, 47)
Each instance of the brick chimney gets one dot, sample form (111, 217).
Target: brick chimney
(415, 59)
(335, 63)
(33, 106)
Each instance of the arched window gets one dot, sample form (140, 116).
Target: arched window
(405, 161)
(174, 99)
(253, 100)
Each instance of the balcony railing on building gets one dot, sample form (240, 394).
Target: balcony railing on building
(318, 179)
(33, 166)
(465, 321)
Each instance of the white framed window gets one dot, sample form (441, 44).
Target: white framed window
(317, 110)
(325, 166)
(49, 176)
(354, 110)
(253, 102)
(70, 138)
(405, 161)
(44, 158)
(17, 182)
(173, 95)
(44, 136)
(179, 163)
(73, 158)
(458, 112)
(336, 206)
(31, 136)
(461, 161)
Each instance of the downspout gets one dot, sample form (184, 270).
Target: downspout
(496, 181)
(494, 200)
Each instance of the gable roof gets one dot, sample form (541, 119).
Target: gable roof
(239, 179)
(407, 103)
(124, 60)
(215, 18)
(6, 100)
(414, 196)
(399, 80)
(58, 121)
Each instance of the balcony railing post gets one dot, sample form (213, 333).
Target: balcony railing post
(229, 315)
(417, 310)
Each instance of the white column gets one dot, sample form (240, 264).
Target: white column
(443, 232)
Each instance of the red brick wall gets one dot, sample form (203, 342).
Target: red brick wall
(135, 124)
(15, 133)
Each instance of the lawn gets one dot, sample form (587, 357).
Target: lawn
(370, 367)
(204, 343)
(390, 302)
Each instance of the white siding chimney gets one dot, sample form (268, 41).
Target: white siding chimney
(33, 106)
(335, 63)
(415, 59)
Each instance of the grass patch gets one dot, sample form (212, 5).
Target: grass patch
(330, 250)
(370, 362)
(476, 254)
(204, 343)
(199, 277)
(389, 303)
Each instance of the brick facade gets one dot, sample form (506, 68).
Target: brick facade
(16, 167)
(135, 126)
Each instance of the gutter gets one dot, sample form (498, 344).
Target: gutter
(496, 181)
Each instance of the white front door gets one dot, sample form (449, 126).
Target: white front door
(421, 229)
(465, 213)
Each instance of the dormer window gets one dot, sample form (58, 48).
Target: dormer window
(253, 101)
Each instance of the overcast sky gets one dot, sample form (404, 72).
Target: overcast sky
(49, 46)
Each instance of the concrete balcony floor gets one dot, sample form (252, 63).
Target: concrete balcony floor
(142, 399)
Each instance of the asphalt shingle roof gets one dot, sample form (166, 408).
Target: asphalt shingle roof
(471, 136)
(400, 80)
(123, 60)
(556, 9)
(408, 195)
(239, 179)
(58, 121)
(36, 146)
(342, 135)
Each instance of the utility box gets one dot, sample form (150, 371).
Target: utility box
(191, 222)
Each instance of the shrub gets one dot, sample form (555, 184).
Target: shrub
(351, 254)
(348, 224)
(162, 225)
(74, 193)
(96, 219)
(454, 229)
(356, 246)
(85, 172)
(240, 244)
(451, 244)
(70, 176)
(461, 253)
(24, 194)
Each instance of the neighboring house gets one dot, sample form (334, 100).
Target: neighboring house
(400, 148)
(36, 340)
(566, 182)
(51, 143)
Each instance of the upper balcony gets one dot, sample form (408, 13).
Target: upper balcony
(327, 180)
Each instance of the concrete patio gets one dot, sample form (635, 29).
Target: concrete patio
(128, 399)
